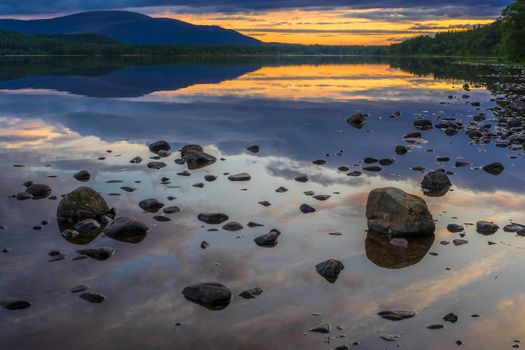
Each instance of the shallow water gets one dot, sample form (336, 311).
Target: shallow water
(58, 119)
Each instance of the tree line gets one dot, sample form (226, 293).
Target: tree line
(503, 38)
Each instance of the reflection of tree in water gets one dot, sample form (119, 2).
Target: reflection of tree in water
(504, 80)
(381, 252)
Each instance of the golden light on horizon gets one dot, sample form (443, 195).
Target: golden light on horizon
(326, 27)
(314, 82)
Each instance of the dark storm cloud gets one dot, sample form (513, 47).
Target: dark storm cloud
(472, 7)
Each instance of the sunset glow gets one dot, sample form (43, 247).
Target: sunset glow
(340, 26)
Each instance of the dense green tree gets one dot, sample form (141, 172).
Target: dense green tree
(513, 25)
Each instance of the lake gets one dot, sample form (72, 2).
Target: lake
(60, 116)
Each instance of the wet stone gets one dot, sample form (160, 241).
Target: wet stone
(213, 296)
(161, 218)
(127, 230)
(455, 228)
(158, 146)
(451, 317)
(213, 218)
(251, 293)
(80, 288)
(13, 304)
(396, 315)
(210, 178)
(101, 254)
(301, 178)
(265, 203)
(22, 196)
(128, 189)
(156, 165)
(93, 297)
(330, 269)
(435, 326)
(494, 168)
(357, 120)
(253, 149)
(486, 227)
(82, 176)
(321, 197)
(87, 226)
(151, 205)
(459, 241)
(269, 239)
(171, 210)
(39, 191)
(322, 328)
(232, 226)
(306, 209)
(240, 177)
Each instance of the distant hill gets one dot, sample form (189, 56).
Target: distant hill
(130, 28)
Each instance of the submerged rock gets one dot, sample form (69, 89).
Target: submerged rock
(455, 228)
(156, 165)
(269, 239)
(158, 146)
(240, 177)
(232, 226)
(39, 191)
(394, 212)
(101, 254)
(357, 120)
(93, 297)
(306, 209)
(82, 176)
(494, 168)
(151, 205)
(251, 293)
(322, 328)
(436, 183)
(486, 227)
(301, 178)
(253, 148)
(213, 296)
(195, 157)
(396, 315)
(13, 304)
(382, 253)
(213, 218)
(330, 269)
(127, 230)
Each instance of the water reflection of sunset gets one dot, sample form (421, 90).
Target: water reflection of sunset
(316, 82)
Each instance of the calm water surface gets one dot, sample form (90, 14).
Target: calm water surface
(58, 119)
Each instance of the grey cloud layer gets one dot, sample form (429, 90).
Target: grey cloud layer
(465, 7)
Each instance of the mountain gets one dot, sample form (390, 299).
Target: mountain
(131, 28)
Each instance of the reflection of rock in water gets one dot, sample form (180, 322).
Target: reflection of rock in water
(80, 204)
(381, 252)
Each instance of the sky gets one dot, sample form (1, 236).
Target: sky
(328, 22)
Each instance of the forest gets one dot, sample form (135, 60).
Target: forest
(504, 38)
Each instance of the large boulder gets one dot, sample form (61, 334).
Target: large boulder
(394, 212)
(78, 205)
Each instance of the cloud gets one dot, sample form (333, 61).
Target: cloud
(463, 7)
